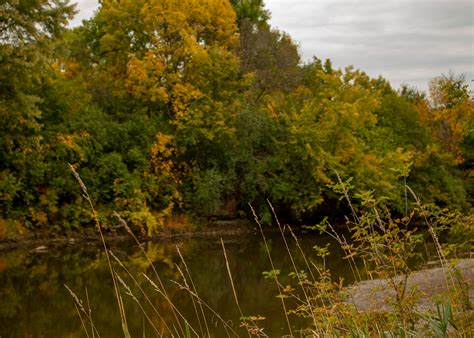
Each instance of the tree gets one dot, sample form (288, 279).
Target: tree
(439, 137)
(451, 109)
(271, 56)
(176, 60)
(26, 31)
(250, 11)
(328, 126)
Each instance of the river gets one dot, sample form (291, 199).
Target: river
(35, 303)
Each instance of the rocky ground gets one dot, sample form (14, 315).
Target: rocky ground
(431, 285)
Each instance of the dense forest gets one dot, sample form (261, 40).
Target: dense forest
(195, 108)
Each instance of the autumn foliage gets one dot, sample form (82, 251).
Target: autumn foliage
(196, 108)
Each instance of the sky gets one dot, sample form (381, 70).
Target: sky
(405, 41)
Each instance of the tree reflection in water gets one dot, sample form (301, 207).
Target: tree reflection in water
(34, 301)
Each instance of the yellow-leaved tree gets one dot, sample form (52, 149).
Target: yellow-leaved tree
(177, 58)
(451, 110)
(330, 129)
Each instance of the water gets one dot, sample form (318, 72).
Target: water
(35, 303)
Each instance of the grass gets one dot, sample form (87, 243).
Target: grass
(380, 246)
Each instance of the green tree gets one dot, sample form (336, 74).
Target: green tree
(250, 11)
(26, 31)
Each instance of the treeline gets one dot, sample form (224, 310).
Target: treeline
(198, 107)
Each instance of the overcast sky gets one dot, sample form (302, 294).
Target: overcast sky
(405, 41)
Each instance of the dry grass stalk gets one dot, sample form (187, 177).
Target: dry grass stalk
(176, 313)
(192, 298)
(267, 249)
(118, 297)
(129, 292)
(142, 292)
(295, 269)
(226, 326)
(79, 305)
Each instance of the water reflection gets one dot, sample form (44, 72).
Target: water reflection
(35, 303)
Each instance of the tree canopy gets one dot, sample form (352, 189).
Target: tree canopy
(194, 108)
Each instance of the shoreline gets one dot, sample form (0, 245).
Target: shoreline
(215, 229)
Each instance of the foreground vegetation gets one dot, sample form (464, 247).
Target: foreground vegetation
(379, 248)
(195, 108)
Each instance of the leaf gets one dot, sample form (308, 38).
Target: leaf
(271, 274)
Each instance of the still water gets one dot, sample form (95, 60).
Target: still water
(35, 303)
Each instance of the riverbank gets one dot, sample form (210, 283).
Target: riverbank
(430, 284)
(45, 239)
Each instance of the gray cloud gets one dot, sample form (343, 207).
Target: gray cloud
(408, 41)
(86, 9)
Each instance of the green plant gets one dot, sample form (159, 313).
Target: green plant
(440, 323)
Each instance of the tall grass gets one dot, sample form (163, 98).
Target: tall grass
(379, 246)
(118, 296)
